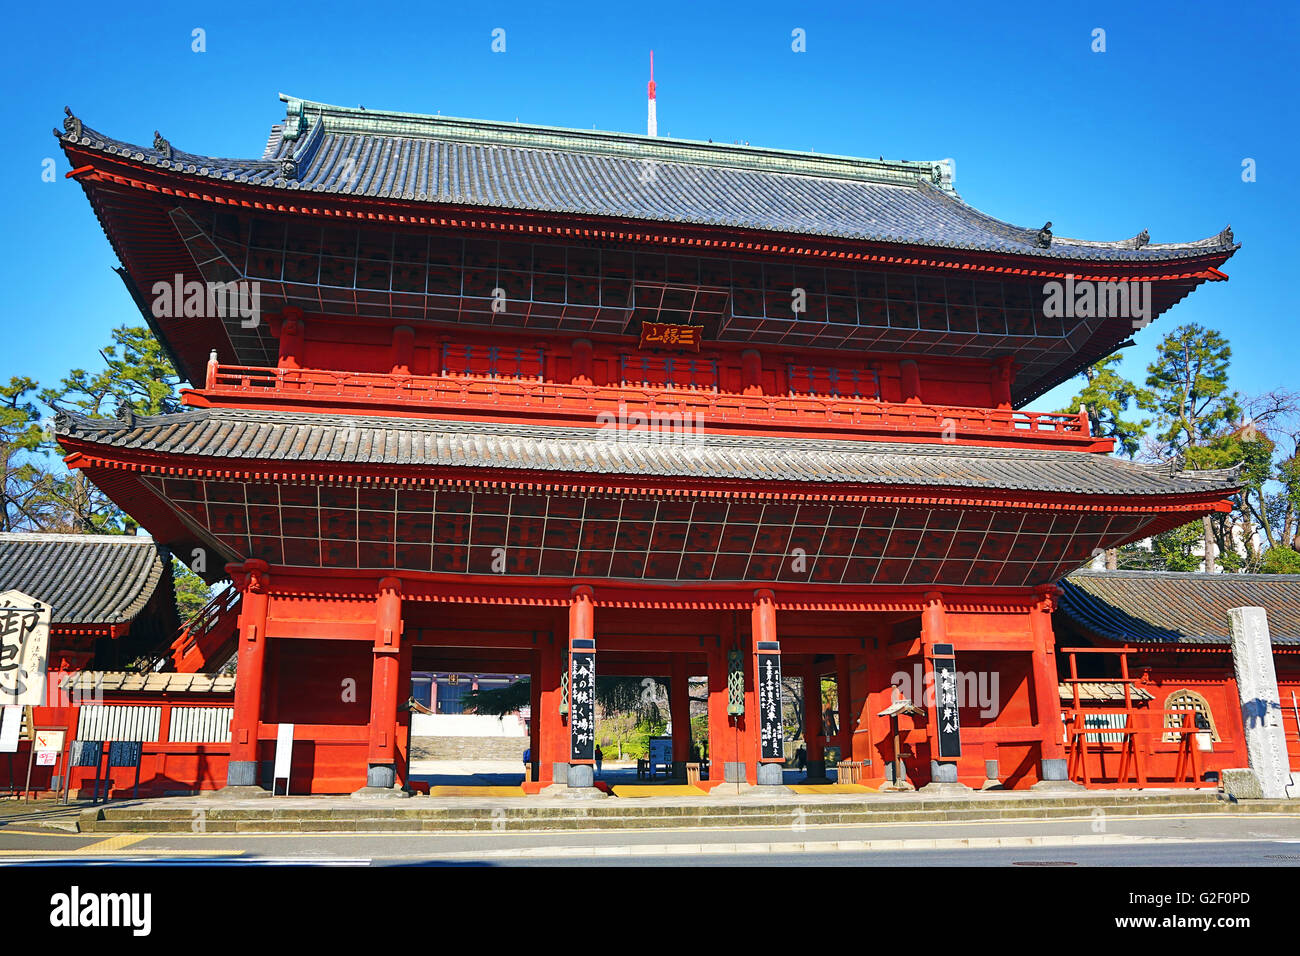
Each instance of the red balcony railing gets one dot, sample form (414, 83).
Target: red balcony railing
(463, 396)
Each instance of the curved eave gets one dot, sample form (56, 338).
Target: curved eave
(999, 238)
(315, 447)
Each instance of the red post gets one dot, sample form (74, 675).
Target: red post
(934, 630)
(1053, 770)
(552, 734)
(381, 756)
(254, 581)
(814, 733)
(534, 718)
(582, 638)
(844, 696)
(724, 730)
(767, 770)
(403, 730)
(679, 703)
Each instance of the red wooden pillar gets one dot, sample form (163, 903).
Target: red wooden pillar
(813, 737)
(552, 734)
(381, 755)
(534, 718)
(724, 730)
(582, 641)
(679, 703)
(767, 770)
(1052, 771)
(844, 696)
(253, 580)
(404, 714)
(934, 630)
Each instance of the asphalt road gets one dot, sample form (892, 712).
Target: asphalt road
(1201, 839)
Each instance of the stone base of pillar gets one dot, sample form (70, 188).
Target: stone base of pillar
(816, 772)
(562, 791)
(942, 788)
(240, 793)
(895, 786)
(770, 775)
(380, 793)
(381, 784)
(733, 771)
(560, 773)
(581, 784)
(1054, 775)
(943, 779)
(991, 781)
(241, 781)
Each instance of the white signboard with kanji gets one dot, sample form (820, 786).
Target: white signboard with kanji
(24, 649)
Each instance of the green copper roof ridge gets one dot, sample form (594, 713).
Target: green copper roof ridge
(529, 135)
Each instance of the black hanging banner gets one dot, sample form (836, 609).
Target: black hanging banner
(945, 699)
(582, 701)
(771, 733)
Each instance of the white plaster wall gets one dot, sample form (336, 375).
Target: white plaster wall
(466, 725)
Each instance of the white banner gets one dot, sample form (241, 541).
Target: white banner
(24, 649)
(11, 726)
(283, 751)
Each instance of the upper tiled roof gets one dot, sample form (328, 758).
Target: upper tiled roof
(457, 162)
(240, 434)
(1162, 607)
(85, 578)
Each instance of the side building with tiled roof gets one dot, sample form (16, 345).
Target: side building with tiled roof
(1171, 631)
(112, 597)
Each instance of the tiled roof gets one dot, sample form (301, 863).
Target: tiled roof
(85, 578)
(161, 683)
(1163, 607)
(456, 162)
(238, 434)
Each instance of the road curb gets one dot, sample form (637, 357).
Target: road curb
(814, 846)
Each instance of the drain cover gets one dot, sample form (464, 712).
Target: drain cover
(1044, 863)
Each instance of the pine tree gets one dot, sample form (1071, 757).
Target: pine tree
(1188, 391)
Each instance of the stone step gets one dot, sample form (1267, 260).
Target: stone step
(619, 815)
(469, 748)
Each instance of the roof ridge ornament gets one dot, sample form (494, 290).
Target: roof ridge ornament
(1140, 240)
(126, 414)
(1044, 237)
(295, 121)
(161, 145)
(1225, 238)
(71, 125)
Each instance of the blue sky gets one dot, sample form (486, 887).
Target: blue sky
(1149, 134)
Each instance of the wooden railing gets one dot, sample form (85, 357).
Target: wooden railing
(220, 611)
(681, 407)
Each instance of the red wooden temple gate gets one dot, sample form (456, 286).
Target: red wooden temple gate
(471, 405)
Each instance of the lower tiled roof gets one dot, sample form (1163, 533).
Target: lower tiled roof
(1164, 607)
(85, 578)
(252, 436)
(160, 683)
